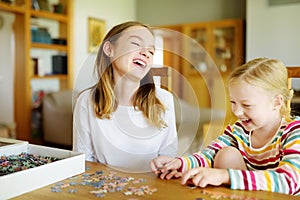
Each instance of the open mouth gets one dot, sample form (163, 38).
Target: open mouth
(246, 121)
(140, 63)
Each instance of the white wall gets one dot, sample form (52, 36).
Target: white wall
(112, 12)
(165, 12)
(7, 69)
(273, 31)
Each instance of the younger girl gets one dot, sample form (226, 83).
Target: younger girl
(261, 151)
(124, 120)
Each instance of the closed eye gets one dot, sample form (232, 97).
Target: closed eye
(151, 52)
(135, 43)
(150, 49)
(246, 105)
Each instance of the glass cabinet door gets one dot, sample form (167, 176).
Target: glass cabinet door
(196, 47)
(198, 51)
(223, 48)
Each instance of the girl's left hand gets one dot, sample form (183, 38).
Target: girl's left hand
(203, 176)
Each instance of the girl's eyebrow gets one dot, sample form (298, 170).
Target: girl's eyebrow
(141, 39)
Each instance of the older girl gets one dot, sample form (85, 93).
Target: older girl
(124, 120)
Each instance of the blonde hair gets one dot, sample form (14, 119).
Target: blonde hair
(103, 97)
(268, 74)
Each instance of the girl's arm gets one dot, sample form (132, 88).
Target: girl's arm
(285, 178)
(205, 157)
(82, 141)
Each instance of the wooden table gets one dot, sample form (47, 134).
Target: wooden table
(166, 189)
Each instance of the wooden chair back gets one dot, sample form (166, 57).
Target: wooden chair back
(165, 73)
(293, 72)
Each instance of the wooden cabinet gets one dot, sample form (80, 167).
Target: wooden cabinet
(208, 70)
(209, 51)
(223, 42)
(25, 14)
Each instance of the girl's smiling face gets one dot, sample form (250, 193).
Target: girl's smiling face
(254, 106)
(132, 55)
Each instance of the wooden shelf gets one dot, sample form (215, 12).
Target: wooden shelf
(12, 8)
(53, 76)
(49, 46)
(24, 19)
(49, 15)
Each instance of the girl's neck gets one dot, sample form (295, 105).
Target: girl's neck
(262, 136)
(125, 90)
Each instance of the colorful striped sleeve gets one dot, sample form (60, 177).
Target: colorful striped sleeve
(205, 157)
(285, 177)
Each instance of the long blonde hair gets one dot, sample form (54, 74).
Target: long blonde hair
(268, 74)
(103, 96)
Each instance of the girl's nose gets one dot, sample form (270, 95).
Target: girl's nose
(237, 111)
(145, 52)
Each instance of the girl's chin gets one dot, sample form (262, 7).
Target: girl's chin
(248, 128)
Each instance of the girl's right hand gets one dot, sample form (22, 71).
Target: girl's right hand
(166, 167)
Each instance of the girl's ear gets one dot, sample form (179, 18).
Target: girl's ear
(108, 49)
(278, 101)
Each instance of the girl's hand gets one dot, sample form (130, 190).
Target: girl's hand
(203, 176)
(166, 167)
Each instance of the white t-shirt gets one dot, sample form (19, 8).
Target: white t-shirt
(126, 140)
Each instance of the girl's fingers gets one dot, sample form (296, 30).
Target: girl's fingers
(170, 174)
(189, 175)
(178, 175)
(198, 180)
(170, 166)
(155, 167)
(173, 173)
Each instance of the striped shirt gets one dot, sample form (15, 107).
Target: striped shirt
(274, 167)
